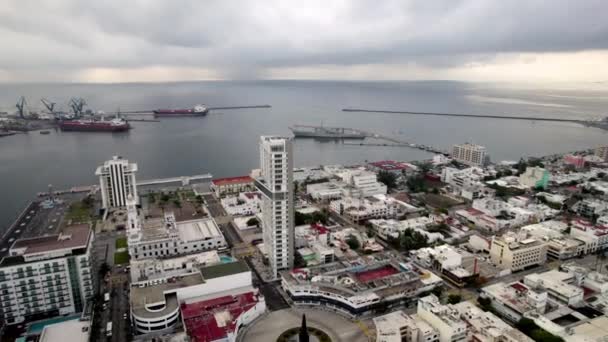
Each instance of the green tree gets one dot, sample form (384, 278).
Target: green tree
(353, 242)
(253, 222)
(388, 178)
(485, 303)
(416, 183)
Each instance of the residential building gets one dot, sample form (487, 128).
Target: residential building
(590, 207)
(164, 237)
(484, 326)
(232, 185)
(358, 286)
(245, 204)
(470, 154)
(559, 286)
(443, 318)
(535, 177)
(517, 251)
(515, 300)
(276, 184)
(117, 182)
(397, 326)
(595, 237)
(326, 191)
(394, 167)
(466, 183)
(361, 209)
(602, 152)
(47, 276)
(391, 229)
(364, 183)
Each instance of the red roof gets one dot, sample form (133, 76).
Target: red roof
(200, 320)
(232, 180)
(474, 211)
(378, 273)
(519, 287)
(389, 165)
(319, 228)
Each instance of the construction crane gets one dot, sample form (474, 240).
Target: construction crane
(77, 104)
(50, 106)
(21, 107)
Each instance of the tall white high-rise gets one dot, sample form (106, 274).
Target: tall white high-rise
(276, 185)
(117, 182)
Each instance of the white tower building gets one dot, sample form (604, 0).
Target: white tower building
(276, 185)
(117, 182)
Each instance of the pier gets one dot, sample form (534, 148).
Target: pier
(240, 107)
(391, 141)
(488, 116)
(185, 180)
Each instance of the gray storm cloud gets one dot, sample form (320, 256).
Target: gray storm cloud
(246, 37)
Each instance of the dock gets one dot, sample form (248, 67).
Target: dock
(488, 116)
(391, 141)
(240, 107)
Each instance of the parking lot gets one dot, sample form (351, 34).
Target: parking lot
(35, 220)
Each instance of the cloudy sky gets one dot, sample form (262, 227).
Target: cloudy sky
(154, 40)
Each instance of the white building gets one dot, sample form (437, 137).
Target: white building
(364, 182)
(470, 154)
(399, 327)
(443, 318)
(515, 300)
(517, 251)
(357, 286)
(360, 209)
(466, 183)
(559, 286)
(47, 275)
(245, 204)
(326, 191)
(73, 330)
(276, 185)
(163, 237)
(595, 237)
(151, 270)
(484, 326)
(157, 306)
(387, 229)
(117, 182)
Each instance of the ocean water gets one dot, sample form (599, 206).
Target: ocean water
(224, 143)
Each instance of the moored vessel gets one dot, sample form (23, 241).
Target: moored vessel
(198, 110)
(114, 125)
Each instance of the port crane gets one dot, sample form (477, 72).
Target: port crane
(77, 104)
(50, 106)
(21, 107)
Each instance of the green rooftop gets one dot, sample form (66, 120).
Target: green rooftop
(222, 270)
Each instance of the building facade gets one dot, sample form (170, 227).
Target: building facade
(470, 154)
(602, 152)
(276, 184)
(46, 276)
(517, 252)
(117, 182)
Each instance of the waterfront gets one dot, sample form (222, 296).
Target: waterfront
(225, 142)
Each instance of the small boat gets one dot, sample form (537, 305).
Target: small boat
(45, 132)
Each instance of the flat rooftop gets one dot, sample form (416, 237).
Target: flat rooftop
(232, 180)
(213, 319)
(73, 331)
(371, 274)
(165, 293)
(196, 230)
(222, 270)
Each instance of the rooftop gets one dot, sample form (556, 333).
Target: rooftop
(232, 180)
(70, 241)
(196, 230)
(73, 331)
(390, 165)
(373, 274)
(161, 294)
(222, 270)
(213, 319)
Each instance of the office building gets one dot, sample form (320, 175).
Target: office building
(46, 276)
(276, 184)
(470, 154)
(517, 251)
(165, 237)
(117, 182)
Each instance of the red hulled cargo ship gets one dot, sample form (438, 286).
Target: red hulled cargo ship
(198, 110)
(114, 125)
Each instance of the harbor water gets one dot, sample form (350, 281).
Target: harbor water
(224, 142)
